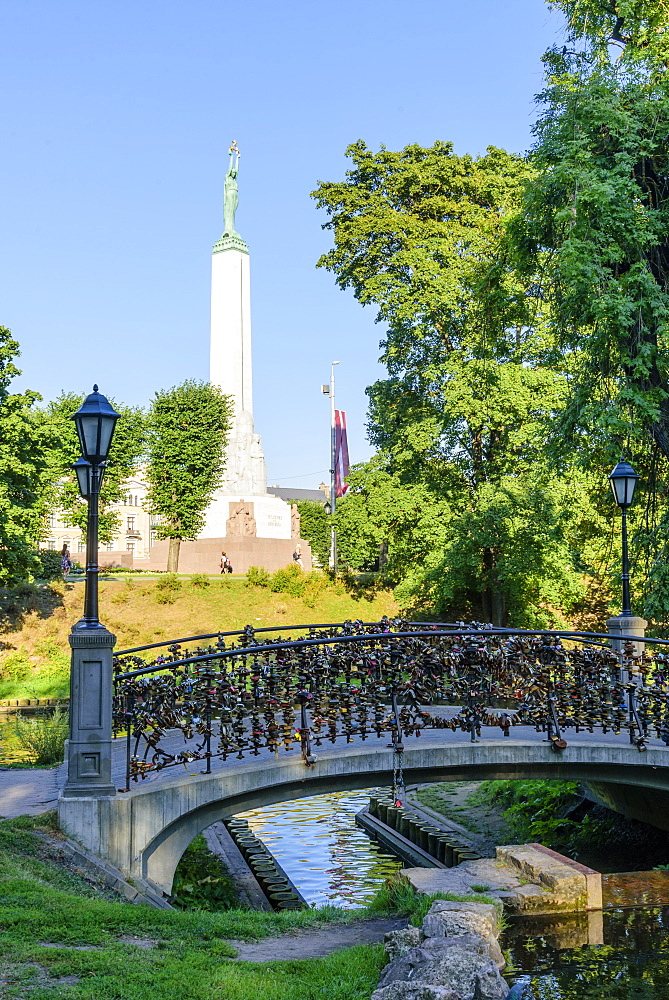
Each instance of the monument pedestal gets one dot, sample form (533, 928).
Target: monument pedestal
(204, 554)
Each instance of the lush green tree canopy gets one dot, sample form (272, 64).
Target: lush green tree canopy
(23, 445)
(460, 422)
(127, 452)
(187, 431)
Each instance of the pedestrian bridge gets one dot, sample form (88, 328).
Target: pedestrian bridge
(145, 832)
(206, 731)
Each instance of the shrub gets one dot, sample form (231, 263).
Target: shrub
(314, 585)
(15, 667)
(202, 881)
(49, 564)
(200, 580)
(44, 736)
(165, 596)
(167, 589)
(256, 576)
(288, 580)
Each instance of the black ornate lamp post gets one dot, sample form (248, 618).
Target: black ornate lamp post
(89, 745)
(623, 481)
(95, 421)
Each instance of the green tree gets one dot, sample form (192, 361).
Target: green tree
(23, 445)
(315, 527)
(127, 453)
(187, 433)
(472, 381)
(592, 242)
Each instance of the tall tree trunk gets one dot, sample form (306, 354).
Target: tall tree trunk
(493, 599)
(173, 555)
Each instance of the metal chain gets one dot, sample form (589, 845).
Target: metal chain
(398, 778)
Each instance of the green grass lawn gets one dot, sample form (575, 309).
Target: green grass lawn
(54, 926)
(63, 938)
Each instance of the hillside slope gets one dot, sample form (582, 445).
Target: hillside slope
(35, 620)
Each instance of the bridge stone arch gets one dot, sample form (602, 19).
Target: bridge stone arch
(145, 831)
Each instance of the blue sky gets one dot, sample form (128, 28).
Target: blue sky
(115, 122)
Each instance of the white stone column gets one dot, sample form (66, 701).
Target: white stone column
(230, 348)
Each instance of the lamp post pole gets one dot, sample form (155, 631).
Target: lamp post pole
(333, 466)
(625, 575)
(91, 685)
(623, 480)
(91, 611)
(329, 390)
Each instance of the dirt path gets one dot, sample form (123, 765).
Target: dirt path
(318, 942)
(484, 824)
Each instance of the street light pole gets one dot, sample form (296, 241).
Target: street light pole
(625, 575)
(92, 645)
(623, 480)
(91, 612)
(333, 466)
(329, 390)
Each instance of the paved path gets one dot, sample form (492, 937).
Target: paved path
(35, 791)
(29, 792)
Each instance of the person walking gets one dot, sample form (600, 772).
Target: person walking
(65, 561)
(224, 560)
(297, 556)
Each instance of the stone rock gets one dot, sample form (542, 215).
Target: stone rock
(446, 919)
(397, 942)
(414, 991)
(461, 970)
(470, 942)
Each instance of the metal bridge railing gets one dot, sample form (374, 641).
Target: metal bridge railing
(241, 695)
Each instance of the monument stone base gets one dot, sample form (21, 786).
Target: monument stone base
(204, 555)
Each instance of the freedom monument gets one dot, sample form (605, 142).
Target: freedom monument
(253, 527)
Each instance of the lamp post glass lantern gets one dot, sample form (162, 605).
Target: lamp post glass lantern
(95, 421)
(623, 481)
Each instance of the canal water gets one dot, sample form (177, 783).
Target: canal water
(621, 953)
(323, 852)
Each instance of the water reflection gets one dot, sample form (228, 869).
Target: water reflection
(323, 852)
(11, 751)
(552, 955)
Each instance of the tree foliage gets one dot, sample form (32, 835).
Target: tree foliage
(593, 238)
(460, 421)
(315, 527)
(127, 452)
(23, 443)
(187, 431)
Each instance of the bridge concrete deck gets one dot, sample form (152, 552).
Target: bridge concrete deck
(145, 831)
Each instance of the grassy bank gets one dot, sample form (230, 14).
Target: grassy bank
(62, 936)
(59, 932)
(35, 620)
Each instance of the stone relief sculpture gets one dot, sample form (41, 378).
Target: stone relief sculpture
(294, 521)
(241, 522)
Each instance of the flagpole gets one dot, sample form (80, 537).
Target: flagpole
(333, 467)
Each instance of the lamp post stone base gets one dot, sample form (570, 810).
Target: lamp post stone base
(90, 742)
(627, 625)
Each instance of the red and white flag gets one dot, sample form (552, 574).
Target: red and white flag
(341, 454)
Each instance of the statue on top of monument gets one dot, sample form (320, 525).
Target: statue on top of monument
(230, 191)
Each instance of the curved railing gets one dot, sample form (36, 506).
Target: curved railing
(389, 679)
